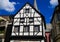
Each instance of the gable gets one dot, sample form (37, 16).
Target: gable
(27, 8)
(26, 25)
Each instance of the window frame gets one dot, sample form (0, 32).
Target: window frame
(37, 28)
(25, 28)
(27, 10)
(17, 29)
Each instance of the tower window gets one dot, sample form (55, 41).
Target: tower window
(22, 20)
(36, 28)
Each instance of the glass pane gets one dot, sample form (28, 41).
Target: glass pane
(16, 28)
(26, 28)
(27, 10)
(36, 28)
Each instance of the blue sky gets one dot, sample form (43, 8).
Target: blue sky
(46, 7)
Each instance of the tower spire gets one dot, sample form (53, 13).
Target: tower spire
(35, 5)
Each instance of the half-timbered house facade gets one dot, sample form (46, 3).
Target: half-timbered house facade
(28, 25)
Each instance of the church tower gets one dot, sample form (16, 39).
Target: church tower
(56, 24)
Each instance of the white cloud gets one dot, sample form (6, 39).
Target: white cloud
(54, 3)
(7, 5)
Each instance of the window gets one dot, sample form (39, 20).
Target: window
(36, 28)
(31, 20)
(26, 28)
(16, 28)
(22, 20)
(27, 10)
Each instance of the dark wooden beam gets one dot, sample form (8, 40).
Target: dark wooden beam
(27, 37)
(8, 33)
